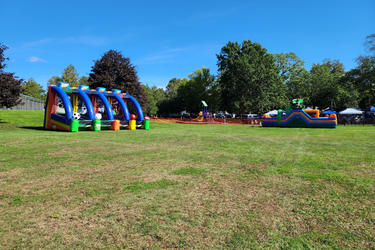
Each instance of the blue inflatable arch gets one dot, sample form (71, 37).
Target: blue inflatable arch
(136, 105)
(87, 101)
(107, 105)
(66, 101)
(122, 104)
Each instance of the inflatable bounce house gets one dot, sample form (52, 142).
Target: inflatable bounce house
(75, 109)
(296, 116)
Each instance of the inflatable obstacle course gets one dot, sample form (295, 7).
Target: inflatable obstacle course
(296, 116)
(76, 109)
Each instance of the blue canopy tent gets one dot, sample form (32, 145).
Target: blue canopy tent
(328, 112)
(370, 112)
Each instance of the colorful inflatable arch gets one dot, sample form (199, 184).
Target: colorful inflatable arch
(296, 116)
(75, 109)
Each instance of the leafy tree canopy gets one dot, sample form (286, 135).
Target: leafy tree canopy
(2, 58)
(363, 78)
(155, 97)
(10, 90)
(33, 89)
(334, 66)
(172, 103)
(114, 71)
(10, 85)
(369, 49)
(292, 71)
(201, 86)
(249, 78)
(172, 88)
(69, 75)
(54, 80)
(289, 65)
(84, 80)
(321, 87)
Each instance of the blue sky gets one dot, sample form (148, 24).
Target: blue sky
(167, 39)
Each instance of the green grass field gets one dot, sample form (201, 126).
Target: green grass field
(185, 186)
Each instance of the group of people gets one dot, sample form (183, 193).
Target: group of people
(351, 119)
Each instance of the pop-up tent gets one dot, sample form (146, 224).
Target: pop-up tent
(329, 112)
(272, 112)
(351, 111)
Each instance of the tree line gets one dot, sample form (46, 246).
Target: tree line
(251, 80)
(111, 71)
(248, 80)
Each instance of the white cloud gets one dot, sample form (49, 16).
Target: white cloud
(35, 59)
(164, 56)
(154, 59)
(87, 40)
(38, 43)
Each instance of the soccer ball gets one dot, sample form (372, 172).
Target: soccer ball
(98, 116)
(76, 116)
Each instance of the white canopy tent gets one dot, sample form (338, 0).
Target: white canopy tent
(273, 112)
(351, 111)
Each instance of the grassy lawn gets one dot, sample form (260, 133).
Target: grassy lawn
(185, 186)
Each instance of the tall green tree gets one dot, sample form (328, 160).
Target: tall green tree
(335, 67)
(84, 80)
(10, 90)
(33, 89)
(2, 57)
(114, 71)
(172, 104)
(69, 75)
(370, 44)
(201, 86)
(321, 87)
(292, 71)
(155, 97)
(172, 88)
(363, 78)
(250, 80)
(346, 93)
(369, 49)
(54, 80)
(10, 85)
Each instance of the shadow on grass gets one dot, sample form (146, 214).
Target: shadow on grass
(35, 128)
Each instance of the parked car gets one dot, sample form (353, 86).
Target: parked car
(252, 116)
(242, 116)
